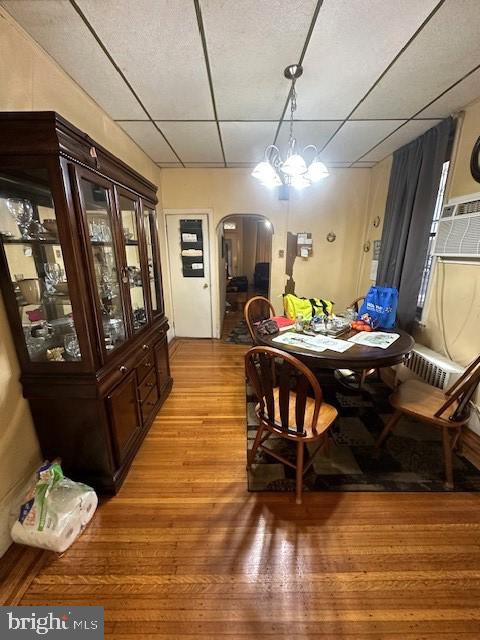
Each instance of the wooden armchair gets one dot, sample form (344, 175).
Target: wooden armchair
(257, 309)
(446, 410)
(288, 413)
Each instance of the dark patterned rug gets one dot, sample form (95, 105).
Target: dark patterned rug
(239, 334)
(411, 458)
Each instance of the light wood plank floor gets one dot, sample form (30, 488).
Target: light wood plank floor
(185, 552)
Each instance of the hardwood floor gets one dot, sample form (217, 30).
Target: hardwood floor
(184, 552)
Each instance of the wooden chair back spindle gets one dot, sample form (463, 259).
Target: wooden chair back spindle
(258, 364)
(462, 391)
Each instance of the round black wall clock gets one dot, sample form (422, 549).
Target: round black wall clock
(475, 161)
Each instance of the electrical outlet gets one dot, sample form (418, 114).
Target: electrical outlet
(281, 253)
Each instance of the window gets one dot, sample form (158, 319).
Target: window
(427, 269)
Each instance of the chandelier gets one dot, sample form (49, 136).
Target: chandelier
(294, 170)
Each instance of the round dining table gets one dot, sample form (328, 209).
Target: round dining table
(357, 357)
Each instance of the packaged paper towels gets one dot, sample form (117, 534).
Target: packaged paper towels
(55, 511)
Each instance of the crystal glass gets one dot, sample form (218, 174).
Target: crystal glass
(53, 275)
(72, 347)
(22, 212)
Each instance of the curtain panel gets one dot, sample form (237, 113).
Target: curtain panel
(412, 192)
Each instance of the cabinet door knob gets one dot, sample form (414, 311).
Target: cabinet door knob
(145, 347)
(123, 369)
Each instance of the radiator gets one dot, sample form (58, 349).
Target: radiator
(427, 365)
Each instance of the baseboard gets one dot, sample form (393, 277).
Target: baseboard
(470, 447)
(18, 568)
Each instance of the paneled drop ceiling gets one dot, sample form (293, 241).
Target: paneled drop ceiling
(200, 83)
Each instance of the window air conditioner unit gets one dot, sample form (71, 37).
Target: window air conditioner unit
(429, 366)
(458, 233)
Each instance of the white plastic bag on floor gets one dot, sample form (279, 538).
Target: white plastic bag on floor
(54, 511)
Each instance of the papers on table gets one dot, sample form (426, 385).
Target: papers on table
(375, 339)
(313, 343)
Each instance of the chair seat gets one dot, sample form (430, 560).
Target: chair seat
(326, 416)
(422, 400)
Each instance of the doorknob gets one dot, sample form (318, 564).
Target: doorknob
(205, 286)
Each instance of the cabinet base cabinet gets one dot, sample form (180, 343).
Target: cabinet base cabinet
(96, 435)
(96, 439)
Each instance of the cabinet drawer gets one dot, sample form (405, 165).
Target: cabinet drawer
(147, 385)
(145, 367)
(149, 404)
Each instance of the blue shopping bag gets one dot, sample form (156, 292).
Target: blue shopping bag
(381, 305)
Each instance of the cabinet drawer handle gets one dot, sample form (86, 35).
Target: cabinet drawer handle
(145, 347)
(150, 384)
(150, 403)
(148, 364)
(123, 369)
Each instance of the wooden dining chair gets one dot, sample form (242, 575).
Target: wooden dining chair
(287, 412)
(445, 410)
(356, 304)
(257, 309)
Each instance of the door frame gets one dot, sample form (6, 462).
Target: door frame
(208, 237)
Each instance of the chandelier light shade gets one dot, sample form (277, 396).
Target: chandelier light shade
(294, 171)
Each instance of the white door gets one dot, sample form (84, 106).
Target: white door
(189, 259)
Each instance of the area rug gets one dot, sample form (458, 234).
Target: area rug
(411, 459)
(239, 334)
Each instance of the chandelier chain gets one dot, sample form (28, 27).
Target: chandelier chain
(293, 108)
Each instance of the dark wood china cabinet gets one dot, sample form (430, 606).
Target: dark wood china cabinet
(81, 281)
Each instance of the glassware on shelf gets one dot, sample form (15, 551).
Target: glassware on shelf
(53, 275)
(99, 231)
(37, 230)
(22, 212)
(36, 268)
(129, 213)
(114, 332)
(99, 218)
(72, 346)
(36, 347)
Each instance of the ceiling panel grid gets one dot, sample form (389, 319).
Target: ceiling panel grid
(405, 64)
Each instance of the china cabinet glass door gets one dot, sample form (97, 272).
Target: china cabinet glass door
(153, 265)
(129, 210)
(35, 265)
(97, 205)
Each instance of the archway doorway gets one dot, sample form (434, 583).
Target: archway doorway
(245, 253)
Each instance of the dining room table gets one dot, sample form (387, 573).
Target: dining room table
(358, 357)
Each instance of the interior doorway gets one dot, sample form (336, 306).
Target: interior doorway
(245, 251)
